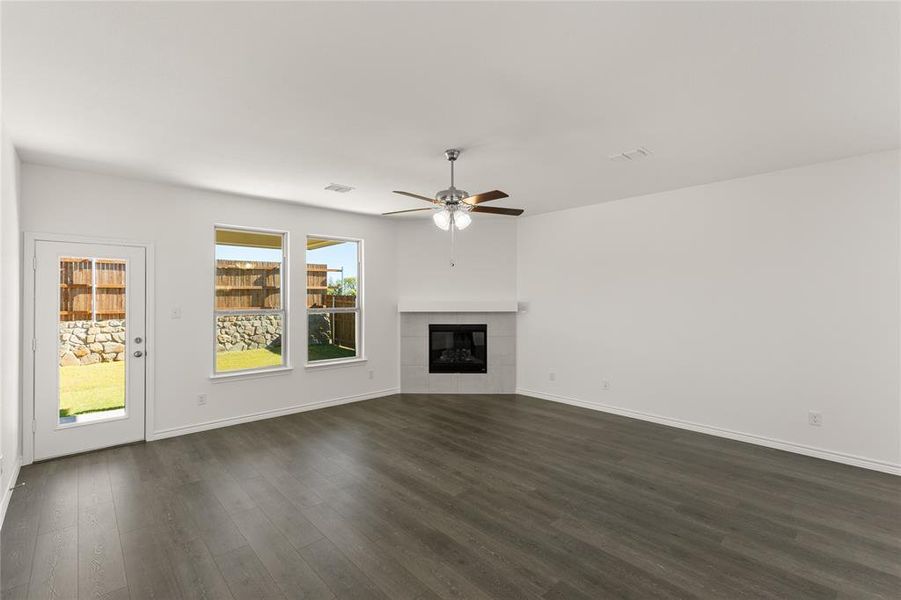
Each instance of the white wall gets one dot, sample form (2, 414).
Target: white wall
(485, 256)
(738, 306)
(180, 223)
(10, 240)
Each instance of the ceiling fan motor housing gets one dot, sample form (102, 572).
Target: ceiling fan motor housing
(451, 196)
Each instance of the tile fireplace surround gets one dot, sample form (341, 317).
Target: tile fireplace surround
(414, 354)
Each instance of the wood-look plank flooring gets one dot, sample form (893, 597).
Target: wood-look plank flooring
(415, 497)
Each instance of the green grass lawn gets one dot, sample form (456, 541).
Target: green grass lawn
(91, 388)
(328, 352)
(247, 359)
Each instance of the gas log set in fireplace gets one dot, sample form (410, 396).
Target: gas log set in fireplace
(458, 348)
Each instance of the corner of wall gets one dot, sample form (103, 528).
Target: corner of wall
(10, 326)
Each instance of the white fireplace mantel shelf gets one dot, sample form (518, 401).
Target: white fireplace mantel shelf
(434, 306)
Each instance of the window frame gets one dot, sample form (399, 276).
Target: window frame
(358, 309)
(284, 303)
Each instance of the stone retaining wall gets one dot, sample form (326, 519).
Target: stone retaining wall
(91, 342)
(247, 332)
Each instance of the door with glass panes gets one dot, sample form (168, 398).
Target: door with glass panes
(90, 346)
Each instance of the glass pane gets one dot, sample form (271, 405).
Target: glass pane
(248, 270)
(332, 273)
(248, 341)
(91, 339)
(331, 336)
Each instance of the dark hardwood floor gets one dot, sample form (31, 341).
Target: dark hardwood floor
(413, 497)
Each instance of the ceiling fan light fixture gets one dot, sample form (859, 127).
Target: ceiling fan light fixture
(462, 220)
(442, 219)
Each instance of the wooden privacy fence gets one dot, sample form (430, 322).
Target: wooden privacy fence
(248, 285)
(317, 289)
(344, 332)
(95, 289)
(242, 285)
(342, 326)
(91, 289)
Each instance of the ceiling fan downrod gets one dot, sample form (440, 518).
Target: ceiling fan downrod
(452, 154)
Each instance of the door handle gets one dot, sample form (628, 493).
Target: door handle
(138, 354)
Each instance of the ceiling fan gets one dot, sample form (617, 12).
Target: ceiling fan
(452, 206)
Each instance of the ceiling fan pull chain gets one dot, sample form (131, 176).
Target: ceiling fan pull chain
(453, 237)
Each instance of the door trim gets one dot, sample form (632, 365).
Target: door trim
(26, 426)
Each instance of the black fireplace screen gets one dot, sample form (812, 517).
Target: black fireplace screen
(458, 349)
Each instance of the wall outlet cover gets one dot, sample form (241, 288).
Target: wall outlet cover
(815, 418)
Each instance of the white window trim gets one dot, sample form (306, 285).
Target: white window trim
(336, 362)
(250, 373)
(284, 310)
(361, 294)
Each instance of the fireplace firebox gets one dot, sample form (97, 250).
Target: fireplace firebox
(458, 348)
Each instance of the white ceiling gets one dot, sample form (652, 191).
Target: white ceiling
(279, 100)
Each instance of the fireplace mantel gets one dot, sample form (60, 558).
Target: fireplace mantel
(438, 306)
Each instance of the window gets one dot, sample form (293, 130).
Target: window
(92, 339)
(334, 293)
(250, 308)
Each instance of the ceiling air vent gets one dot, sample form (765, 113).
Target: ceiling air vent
(636, 154)
(337, 187)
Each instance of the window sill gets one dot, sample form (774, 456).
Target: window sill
(222, 377)
(339, 362)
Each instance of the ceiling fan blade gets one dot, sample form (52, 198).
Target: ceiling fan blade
(513, 212)
(479, 198)
(397, 212)
(432, 200)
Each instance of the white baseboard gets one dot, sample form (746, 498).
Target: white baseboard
(266, 414)
(839, 457)
(8, 492)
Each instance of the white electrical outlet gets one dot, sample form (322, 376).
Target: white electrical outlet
(201, 399)
(815, 418)
(605, 385)
(552, 376)
(176, 312)
(371, 374)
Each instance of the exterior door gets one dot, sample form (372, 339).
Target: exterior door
(89, 333)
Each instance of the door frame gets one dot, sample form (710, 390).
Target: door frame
(27, 424)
